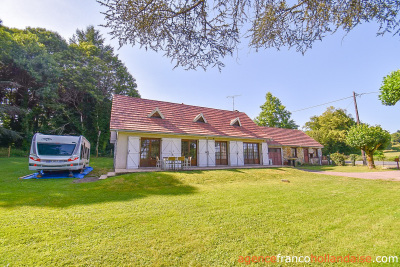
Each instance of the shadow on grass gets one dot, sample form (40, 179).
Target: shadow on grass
(317, 168)
(64, 193)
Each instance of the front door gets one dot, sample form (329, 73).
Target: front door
(306, 156)
(189, 149)
(221, 153)
(149, 152)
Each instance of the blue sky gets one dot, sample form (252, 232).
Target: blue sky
(331, 70)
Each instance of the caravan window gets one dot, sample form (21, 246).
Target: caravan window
(48, 149)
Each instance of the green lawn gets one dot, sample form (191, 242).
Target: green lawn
(347, 168)
(202, 218)
(392, 153)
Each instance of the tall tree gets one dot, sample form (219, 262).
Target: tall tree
(396, 137)
(390, 89)
(51, 86)
(330, 130)
(369, 139)
(201, 33)
(274, 114)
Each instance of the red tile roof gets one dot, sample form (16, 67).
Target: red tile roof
(131, 114)
(289, 137)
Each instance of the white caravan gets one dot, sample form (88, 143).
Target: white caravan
(59, 153)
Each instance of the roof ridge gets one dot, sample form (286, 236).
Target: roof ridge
(232, 111)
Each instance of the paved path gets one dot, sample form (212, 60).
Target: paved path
(386, 175)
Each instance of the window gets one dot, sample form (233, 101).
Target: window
(294, 152)
(311, 152)
(236, 122)
(189, 149)
(149, 152)
(156, 114)
(221, 155)
(200, 118)
(250, 153)
(48, 149)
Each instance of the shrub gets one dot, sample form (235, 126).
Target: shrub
(15, 152)
(338, 159)
(353, 158)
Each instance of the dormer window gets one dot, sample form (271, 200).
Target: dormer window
(236, 122)
(200, 118)
(156, 114)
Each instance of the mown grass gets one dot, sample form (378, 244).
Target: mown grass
(392, 153)
(201, 218)
(347, 168)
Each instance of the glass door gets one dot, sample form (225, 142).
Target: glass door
(250, 153)
(149, 152)
(189, 149)
(221, 153)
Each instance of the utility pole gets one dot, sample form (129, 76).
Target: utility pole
(233, 100)
(358, 122)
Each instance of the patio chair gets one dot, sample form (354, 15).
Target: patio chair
(188, 162)
(180, 162)
(158, 162)
(171, 163)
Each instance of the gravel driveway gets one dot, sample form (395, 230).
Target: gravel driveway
(386, 175)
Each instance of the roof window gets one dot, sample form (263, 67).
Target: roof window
(200, 118)
(236, 122)
(156, 114)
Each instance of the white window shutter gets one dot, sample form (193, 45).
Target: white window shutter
(202, 153)
(170, 147)
(211, 153)
(264, 149)
(133, 158)
(240, 156)
(233, 153)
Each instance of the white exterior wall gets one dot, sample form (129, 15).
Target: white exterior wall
(264, 154)
(171, 147)
(236, 153)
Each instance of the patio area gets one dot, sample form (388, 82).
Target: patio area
(196, 168)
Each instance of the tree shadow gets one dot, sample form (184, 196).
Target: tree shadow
(64, 193)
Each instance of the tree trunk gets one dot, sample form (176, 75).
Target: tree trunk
(370, 159)
(97, 145)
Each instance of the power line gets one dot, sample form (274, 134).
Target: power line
(323, 104)
(333, 101)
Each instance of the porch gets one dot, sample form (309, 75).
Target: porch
(196, 168)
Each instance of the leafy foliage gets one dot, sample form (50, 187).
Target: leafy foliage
(274, 114)
(338, 159)
(379, 155)
(53, 86)
(390, 89)
(330, 130)
(369, 139)
(353, 158)
(201, 33)
(396, 137)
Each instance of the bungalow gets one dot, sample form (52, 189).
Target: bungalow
(144, 131)
(289, 146)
